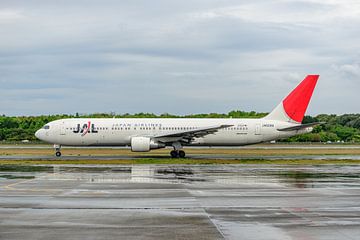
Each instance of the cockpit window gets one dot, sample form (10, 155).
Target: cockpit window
(46, 127)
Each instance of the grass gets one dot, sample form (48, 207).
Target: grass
(165, 152)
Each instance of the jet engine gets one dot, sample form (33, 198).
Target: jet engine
(144, 144)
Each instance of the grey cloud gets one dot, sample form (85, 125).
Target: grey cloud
(173, 56)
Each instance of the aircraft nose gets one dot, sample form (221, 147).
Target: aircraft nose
(39, 134)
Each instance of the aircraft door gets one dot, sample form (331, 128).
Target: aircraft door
(62, 129)
(258, 129)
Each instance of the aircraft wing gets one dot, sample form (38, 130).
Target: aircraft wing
(188, 136)
(299, 127)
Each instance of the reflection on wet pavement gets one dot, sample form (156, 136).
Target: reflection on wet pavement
(180, 202)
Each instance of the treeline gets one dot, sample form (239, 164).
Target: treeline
(343, 128)
(336, 128)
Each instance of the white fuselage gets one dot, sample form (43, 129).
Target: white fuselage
(120, 131)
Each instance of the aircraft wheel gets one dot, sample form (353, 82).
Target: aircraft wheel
(182, 154)
(174, 154)
(58, 154)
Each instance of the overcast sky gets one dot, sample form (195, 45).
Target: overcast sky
(179, 57)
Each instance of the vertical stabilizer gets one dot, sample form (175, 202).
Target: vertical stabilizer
(293, 107)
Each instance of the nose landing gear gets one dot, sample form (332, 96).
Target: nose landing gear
(57, 150)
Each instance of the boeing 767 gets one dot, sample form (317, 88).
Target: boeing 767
(145, 134)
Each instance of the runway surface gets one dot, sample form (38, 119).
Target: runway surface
(180, 202)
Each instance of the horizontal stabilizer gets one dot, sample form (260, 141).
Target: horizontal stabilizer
(301, 126)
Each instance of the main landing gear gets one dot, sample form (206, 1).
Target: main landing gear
(177, 153)
(57, 150)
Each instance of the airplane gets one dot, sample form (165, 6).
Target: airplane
(146, 134)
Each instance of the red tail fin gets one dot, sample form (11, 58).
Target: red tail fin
(293, 107)
(296, 103)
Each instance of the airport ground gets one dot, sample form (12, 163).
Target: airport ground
(256, 154)
(256, 192)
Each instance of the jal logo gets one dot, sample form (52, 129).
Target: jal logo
(85, 129)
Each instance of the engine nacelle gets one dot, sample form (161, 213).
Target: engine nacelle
(144, 144)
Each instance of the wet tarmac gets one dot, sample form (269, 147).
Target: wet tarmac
(180, 202)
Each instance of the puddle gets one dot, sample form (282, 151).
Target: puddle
(25, 168)
(295, 176)
(175, 171)
(16, 177)
(314, 179)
